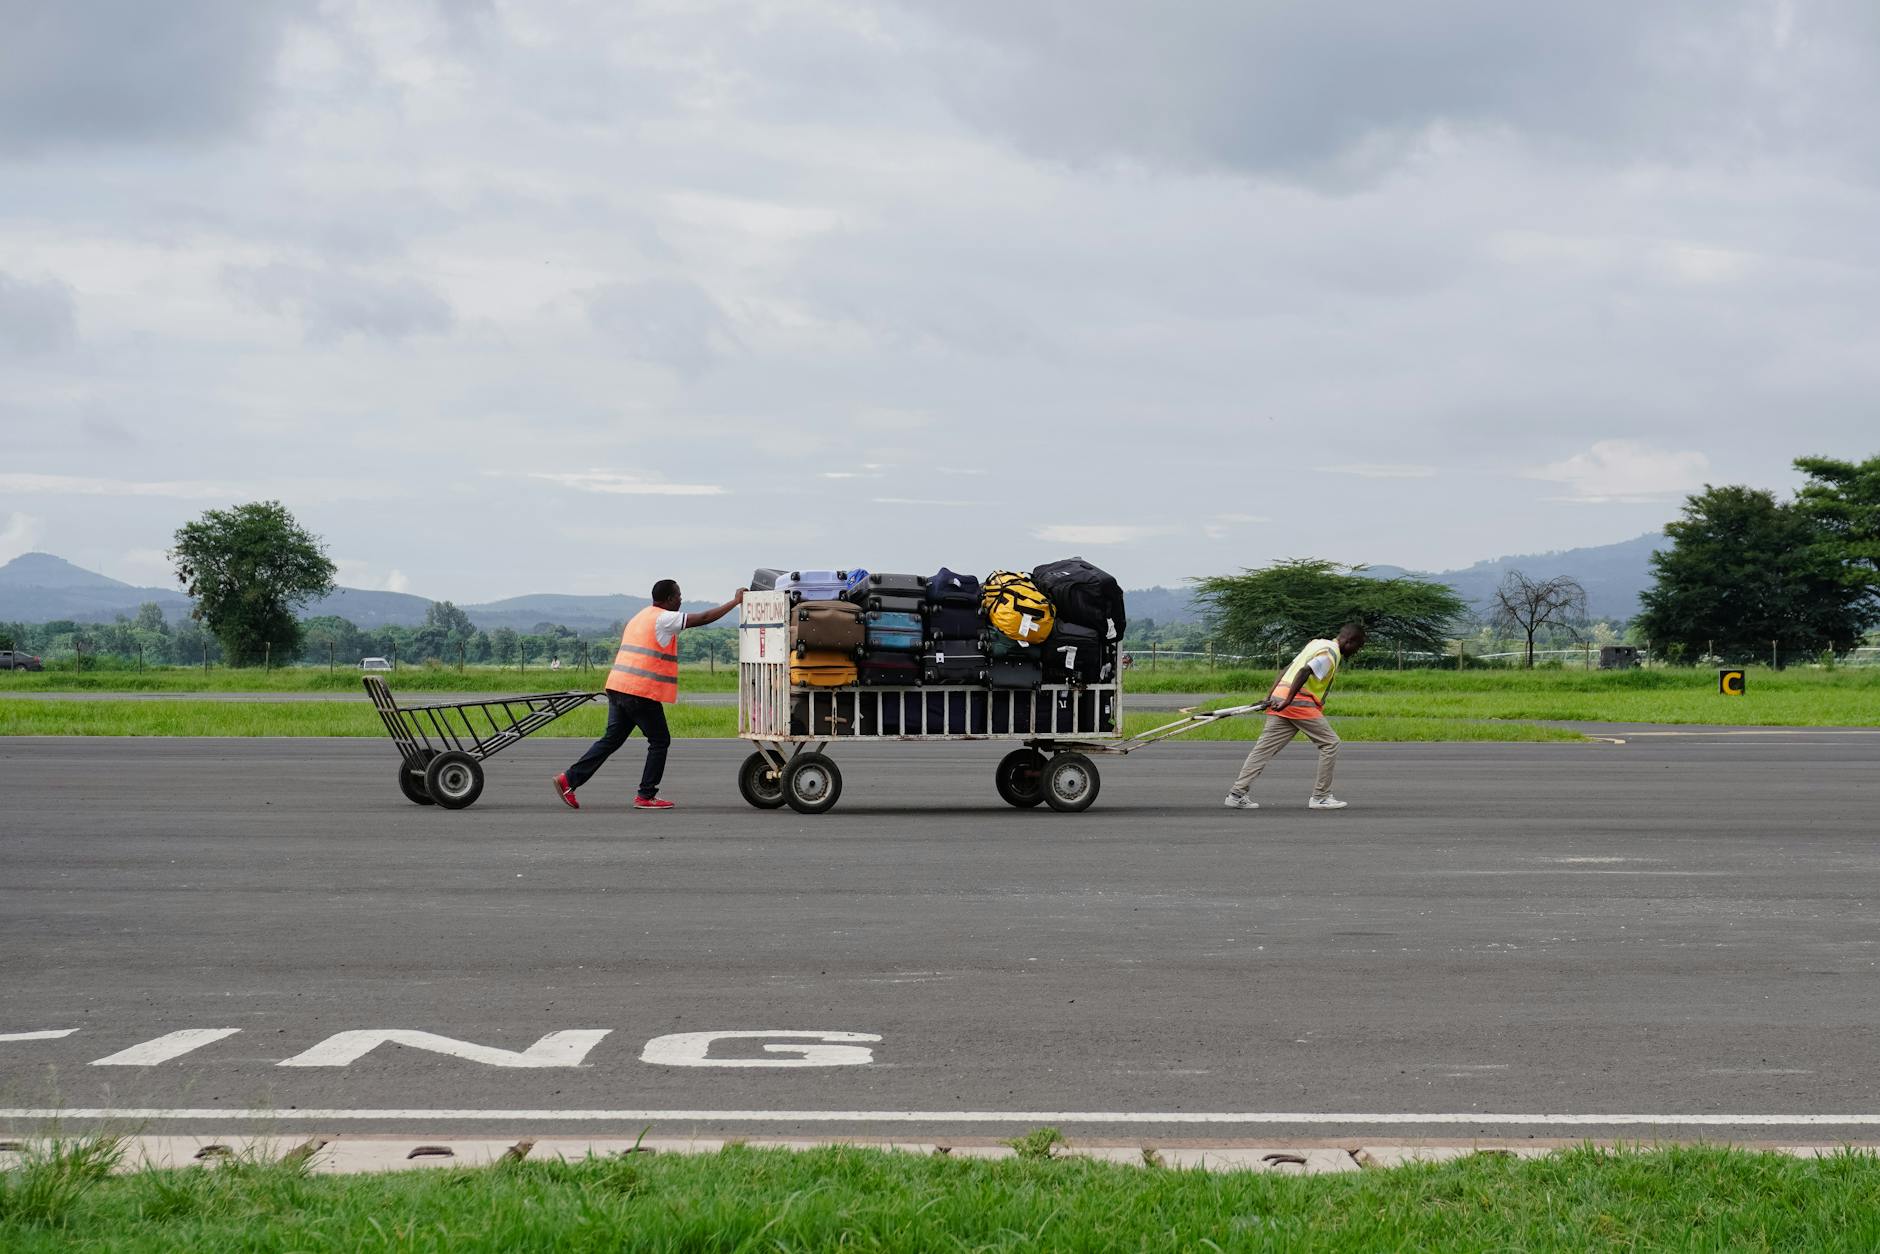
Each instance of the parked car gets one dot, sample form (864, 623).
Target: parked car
(374, 664)
(16, 660)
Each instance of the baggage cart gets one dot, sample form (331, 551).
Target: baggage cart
(1055, 730)
(442, 746)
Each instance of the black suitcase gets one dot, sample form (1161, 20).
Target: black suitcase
(888, 670)
(1016, 673)
(892, 604)
(893, 586)
(822, 714)
(955, 662)
(953, 622)
(892, 713)
(764, 579)
(1083, 594)
(1078, 654)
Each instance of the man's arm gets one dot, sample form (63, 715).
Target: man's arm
(704, 618)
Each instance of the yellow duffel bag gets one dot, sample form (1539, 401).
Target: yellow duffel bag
(1014, 605)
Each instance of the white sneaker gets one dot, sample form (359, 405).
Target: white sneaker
(1238, 801)
(1325, 803)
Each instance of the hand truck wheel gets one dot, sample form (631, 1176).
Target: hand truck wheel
(1020, 778)
(411, 782)
(454, 779)
(811, 783)
(1071, 783)
(760, 783)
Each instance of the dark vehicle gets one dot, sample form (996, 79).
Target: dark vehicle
(14, 660)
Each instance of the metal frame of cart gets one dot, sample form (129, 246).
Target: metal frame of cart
(1063, 725)
(442, 746)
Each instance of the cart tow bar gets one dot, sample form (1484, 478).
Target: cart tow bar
(1193, 717)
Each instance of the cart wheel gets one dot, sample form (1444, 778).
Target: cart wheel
(811, 783)
(761, 783)
(411, 783)
(454, 779)
(1020, 778)
(1071, 782)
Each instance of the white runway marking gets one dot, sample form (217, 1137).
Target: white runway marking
(164, 1048)
(1034, 1117)
(53, 1035)
(556, 1049)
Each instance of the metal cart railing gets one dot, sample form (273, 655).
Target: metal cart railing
(442, 747)
(1057, 728)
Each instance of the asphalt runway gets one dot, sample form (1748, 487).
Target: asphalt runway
(1670, 937)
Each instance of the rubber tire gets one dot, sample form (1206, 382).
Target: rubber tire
(753, 787)
(413, 785)
(811, 783)
(1060, 793)
(454, 779)
(1008, 778)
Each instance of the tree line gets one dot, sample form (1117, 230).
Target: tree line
(1744, 575)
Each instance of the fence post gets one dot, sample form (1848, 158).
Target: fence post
(1458, 654)
(267, 658)
(1775, 662)
(329, 657)
(1210, 655)
(460, 658)
(140, 659)
(394, 658)
(1152, 655)
(1399, 657)
(205, 655)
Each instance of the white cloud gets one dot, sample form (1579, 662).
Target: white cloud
(1096, 533)
(354, 572)
(619, 483)
(20, 535)
(147, 563)
(1627, 472)
(1220, 526)
(908, 500)
(1380, 470)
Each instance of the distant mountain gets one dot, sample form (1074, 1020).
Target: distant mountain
(38, 587)
(1613, 574)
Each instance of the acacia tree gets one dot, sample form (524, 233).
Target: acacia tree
(1282, 606)
(249, 569)
(1529, 605)
(1745, 571)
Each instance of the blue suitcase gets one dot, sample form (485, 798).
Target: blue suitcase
(894, 633)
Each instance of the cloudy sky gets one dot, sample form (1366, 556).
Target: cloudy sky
(503, 296)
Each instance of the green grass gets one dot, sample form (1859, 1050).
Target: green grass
(743, 1199)
(22, 716)
(1797, 697)
(696, 676)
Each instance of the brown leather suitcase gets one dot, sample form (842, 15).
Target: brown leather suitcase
(827, 625)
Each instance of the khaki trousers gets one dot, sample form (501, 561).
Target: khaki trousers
(1276, 735)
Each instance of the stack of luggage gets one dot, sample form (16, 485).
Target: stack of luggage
(1058, 626)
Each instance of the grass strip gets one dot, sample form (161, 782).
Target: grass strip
(1797, 697)
(850, 1198)
(21, 716)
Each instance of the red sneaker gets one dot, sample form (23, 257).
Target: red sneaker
(566, 793)
(651, 803)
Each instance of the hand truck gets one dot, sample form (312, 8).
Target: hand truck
(442, 747)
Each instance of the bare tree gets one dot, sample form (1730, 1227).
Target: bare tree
(1533, 604)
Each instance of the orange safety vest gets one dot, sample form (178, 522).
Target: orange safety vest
(1309, 701)
(642, 667)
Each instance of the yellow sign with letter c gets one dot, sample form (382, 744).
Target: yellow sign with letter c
(1730, 683)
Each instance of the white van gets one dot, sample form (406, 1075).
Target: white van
(374, 664)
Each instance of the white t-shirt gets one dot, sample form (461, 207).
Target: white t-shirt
(1321, 665)
(667, 626)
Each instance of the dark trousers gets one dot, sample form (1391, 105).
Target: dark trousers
(624, 713)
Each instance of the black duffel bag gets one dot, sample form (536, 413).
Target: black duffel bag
(1083, 594)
